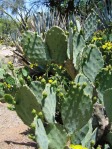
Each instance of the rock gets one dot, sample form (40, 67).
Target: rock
(7, 54)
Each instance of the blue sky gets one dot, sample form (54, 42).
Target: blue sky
(28, 3)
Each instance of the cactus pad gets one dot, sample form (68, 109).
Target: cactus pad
(85, 135)
(78, 45)
(92, 62)
(76, 109)
(34, 48)
(57, 136)
(90, 25)
(57, 44)
(108, 103)
(49, 106)
(40, 134)
(26, 101)
(37, 89)
(82, 80)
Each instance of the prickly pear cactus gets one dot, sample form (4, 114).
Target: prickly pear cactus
(78, 45)
(103, 81)
(2, 72)
(104, 78)
(1, 91)
(82, 80)
(85, 135)
(76, 108)
(26, 101)
(92, 62)
(40, 134)
(90, 25)
(34, 48)
(37, 89)
(57, 136)
(70, 44)
(109, 138)
(62, 106)
(49, 104)
(108, 102)
(57, 44)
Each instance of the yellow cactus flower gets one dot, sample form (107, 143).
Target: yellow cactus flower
(94, 38)
(60, 67)
(36, 64)
(107, 45)
(109, 48)
(9, 63)
(8, 86)
(50, 81)
(40, 77)
(31, 66)
(104, 47)
(5, 84)
(77, 147)
(100, 38)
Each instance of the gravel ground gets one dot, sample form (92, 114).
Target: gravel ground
(13, 132)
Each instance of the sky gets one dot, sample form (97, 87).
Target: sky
(39, 8)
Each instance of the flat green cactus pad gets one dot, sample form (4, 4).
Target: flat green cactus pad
(92, 62)
(104, 81)
(37, 89)
(78, 45)
(2, 72)
(26, 101)
(57, 136)
(57, 44)
(34, 48)
(40, 134)
(49, 106)
(108, 103)
(82, 80)
(90, 25)
(76, 109)
(85, 135)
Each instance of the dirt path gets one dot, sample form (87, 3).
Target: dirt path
(13, 133)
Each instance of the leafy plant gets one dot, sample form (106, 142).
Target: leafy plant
(55, 95)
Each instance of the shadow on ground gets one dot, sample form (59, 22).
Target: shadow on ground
(29, 144)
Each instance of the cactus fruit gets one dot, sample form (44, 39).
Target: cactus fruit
(9, 99)
(88, 89)
(34, 48)
(57, 44)
(26, 101)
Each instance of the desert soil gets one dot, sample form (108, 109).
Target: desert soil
(13, 132)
